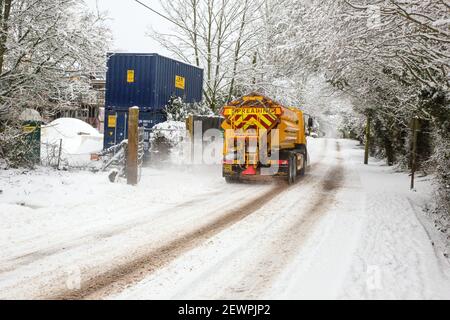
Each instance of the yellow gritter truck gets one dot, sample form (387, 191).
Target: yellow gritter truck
(263, 138)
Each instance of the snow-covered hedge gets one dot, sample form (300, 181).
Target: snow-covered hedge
(178, 110)
(167, 142)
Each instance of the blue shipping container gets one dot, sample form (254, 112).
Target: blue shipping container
(148, 81)
(118, 126)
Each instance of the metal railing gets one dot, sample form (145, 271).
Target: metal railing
(116, 158)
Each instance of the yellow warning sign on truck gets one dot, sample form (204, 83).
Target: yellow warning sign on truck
(180, 82)
(130, 76)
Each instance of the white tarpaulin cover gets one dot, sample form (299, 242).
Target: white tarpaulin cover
(79, 141)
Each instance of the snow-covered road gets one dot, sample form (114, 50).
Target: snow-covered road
(343, 231)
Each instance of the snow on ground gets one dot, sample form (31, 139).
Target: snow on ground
(53, 222)
(372, 243)
(352, 242)
(344, 231)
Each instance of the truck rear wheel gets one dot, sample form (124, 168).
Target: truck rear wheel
(292, 172)
(305, 163)
(231, 180)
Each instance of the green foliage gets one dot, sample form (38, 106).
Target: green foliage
(15, 148)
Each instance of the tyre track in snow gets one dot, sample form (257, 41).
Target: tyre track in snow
(205, 278)
(70, 244)
(129, 273)
(284, 248)
(148, 262)
(40, 274)
(59, 260)
(66, 245)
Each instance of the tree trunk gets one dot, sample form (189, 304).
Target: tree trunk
(196, 51)
(414, 152)
(5, 11)
(390, 152)
(367, 150)
(237, 50)
(209, 55)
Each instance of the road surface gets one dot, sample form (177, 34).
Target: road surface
(343, 231)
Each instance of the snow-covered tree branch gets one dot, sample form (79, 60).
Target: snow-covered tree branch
(48, 50)
(217, 35)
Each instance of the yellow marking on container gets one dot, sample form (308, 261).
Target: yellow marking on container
(180, 82)
(112, 121)
(29, 129)
(130, 76)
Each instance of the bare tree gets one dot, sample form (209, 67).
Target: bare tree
(216, 35)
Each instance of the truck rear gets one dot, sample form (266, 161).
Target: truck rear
(263, 138)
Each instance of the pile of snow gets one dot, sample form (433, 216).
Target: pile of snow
(171, 143)
(168, 142)
(172, 131)
(79, 140)
(30, 115)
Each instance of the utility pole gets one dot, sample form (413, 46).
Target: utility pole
(133, 146)
(415, 128)
(367, 150)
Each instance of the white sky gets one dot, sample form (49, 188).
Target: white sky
(130, 21)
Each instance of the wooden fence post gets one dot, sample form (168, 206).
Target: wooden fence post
(367, 150)
(415, 128)
(190, 129)
(59, 154)
(133, 146)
